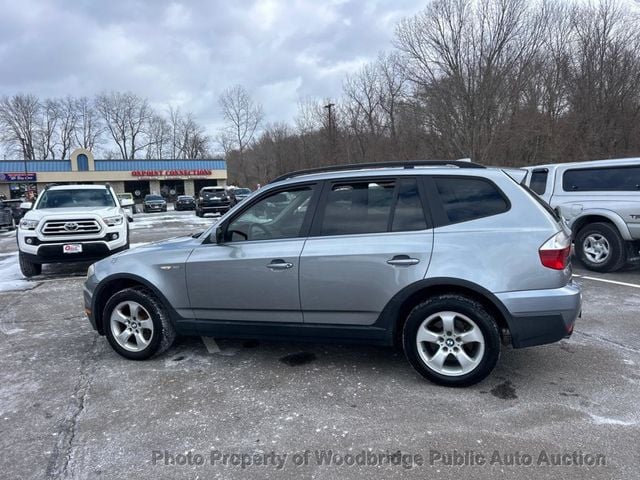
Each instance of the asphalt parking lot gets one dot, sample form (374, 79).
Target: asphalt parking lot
(70, 407)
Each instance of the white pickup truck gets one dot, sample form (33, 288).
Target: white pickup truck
(71, 223)
(600, 200)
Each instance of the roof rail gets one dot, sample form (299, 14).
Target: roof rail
(398, 164)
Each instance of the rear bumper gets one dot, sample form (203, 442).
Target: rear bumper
(215, 208)
(539, 317)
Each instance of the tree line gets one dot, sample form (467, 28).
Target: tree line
(503, 82)
(115, 125)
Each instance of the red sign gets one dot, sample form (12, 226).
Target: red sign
(170, 173)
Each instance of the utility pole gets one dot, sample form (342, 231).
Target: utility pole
(329, 106)
(330, 127)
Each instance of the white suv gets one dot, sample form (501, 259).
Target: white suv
(70, 223)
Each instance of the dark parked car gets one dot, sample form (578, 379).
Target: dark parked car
(213, 200)
(154, 203)
(185, 202)
(241, 193)
(10, 213)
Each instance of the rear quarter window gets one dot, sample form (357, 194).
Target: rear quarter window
(466, 198)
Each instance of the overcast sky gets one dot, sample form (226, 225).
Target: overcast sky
(187, 52)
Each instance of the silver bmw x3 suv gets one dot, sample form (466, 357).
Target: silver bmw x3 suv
(449, 260)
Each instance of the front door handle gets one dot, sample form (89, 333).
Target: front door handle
(279, 265)
(403, 261)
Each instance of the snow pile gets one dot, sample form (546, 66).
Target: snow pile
(165, 220)
(10, 276)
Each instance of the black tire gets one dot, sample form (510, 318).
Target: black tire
(144, 210)
(617, 256)
(163, 334)
(29, 269)
(469, 308)
(199, 213)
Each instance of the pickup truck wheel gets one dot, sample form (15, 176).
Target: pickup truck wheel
(600, 247)
(451, 340)
(29, 269)
(136, 324)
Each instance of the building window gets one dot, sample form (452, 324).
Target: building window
(83, 163)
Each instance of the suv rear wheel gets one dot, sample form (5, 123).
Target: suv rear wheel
(136, 324)
(451, 340)
(29, 269)
(600, 247)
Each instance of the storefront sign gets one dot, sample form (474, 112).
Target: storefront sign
(18, 177)
(170, 173)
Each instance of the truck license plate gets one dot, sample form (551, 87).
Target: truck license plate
(72, 248)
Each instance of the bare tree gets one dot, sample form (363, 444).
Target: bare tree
(468, 60)
(47, 124)
(243, 117)
(126, 117)
(67, 124)
(89, 129)
(19, 123)
(159, 137)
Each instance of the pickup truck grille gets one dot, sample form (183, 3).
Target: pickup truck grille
(71, 227)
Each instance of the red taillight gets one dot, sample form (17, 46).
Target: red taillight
(556, 251)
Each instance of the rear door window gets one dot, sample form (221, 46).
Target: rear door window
(621, 179)
(357, 207)
(468, 198)
(371, 206)
(408, 214)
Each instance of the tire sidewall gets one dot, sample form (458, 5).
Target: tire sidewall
(472, 310)
(154, 310)
(616, 247)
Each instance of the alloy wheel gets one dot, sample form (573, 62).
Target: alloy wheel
(450, 343)
(131, 326)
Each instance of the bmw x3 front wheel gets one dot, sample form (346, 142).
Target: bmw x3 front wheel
(136, 324)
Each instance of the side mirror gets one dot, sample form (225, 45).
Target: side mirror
(126, 202)
(26, 205)
(219, 234)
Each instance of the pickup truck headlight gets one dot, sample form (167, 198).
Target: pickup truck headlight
(28, 224)
(114, 221)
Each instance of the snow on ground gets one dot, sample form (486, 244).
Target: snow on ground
(10, 276)
(183, 220)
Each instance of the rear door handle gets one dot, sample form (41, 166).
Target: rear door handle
(403, 261)
(279, 265)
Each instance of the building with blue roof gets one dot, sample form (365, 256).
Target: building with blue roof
(170, 178)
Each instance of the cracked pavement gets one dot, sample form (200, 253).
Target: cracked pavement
(72, 408)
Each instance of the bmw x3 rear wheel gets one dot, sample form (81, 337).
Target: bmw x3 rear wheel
(136, 324)
(452, 340)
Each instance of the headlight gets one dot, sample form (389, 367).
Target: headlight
(28, 224)
(91, 270)
(113, 221)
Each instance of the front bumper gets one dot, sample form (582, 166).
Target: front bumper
(91, 251)
(545, 316)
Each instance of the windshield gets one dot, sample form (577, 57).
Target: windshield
(76, 198)
(153, 197)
